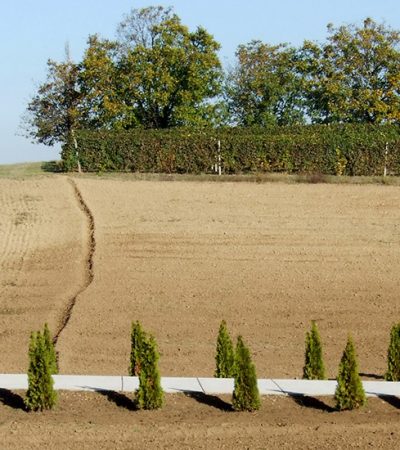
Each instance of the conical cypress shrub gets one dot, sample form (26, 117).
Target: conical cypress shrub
(225, 355)
(137, 338)
(51, 352)
(150, 394)
(314, 368)
(349, 393)
(246, 396)
(393, 356)
(40, 394)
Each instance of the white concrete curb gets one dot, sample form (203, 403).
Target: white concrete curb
(198, 385)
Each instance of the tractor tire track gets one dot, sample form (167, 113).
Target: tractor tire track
(89, 272)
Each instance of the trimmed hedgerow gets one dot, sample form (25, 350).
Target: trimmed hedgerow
(347, 149)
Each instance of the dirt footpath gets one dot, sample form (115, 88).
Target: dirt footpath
(268, 258)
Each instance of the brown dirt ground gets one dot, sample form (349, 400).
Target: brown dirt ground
(267, 258)
(85, 421)
(42, 232)
(181, 256)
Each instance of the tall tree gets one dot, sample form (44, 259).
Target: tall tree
(265, 86)
(100, 85)
(355, 75)
(54, 111)
(169, 75)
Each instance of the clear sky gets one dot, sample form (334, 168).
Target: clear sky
(32, 31)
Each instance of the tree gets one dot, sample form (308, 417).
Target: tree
(393, 355)
(40, 394)
(51, 352)
(54, 111)
(264, 87)
(138, 337)
(150, 394)
(349, 393)
(354, 76)
(225, 355)
(246, 396)
(314, 368)
(102, 106)
(169, 75)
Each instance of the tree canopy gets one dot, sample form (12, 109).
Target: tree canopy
(159, 74)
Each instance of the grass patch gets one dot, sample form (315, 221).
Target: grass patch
(26, 170)
(30, 169)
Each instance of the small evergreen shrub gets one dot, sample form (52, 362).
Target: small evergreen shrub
(137, 338)
(246, 396)
(393, 356)
(150, 394)
(40, 394)
(314, 368)
(225, 355)
(51, 352)
(349, 393)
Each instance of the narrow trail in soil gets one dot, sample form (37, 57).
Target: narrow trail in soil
(88, 268)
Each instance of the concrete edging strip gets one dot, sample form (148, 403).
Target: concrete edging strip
(208, 386)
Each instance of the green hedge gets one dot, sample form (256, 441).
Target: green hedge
(325, 149)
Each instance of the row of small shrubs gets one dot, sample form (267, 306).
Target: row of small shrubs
(230, 363)
(347, 149)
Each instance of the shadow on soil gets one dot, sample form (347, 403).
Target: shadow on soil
(311, 402)
(11, 399)
(391, 400)
(210, 400)
(372, 375)
(119, 399)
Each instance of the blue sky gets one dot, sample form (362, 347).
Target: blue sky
(32, 31)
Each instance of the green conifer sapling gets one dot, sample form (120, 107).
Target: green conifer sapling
(349, 393)
(150, 394)
(393, 355)
(314, 368)
(225, 355)
(246, 396)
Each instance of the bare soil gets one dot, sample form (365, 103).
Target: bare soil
(101, 421)
(180, 257)
(267, 258)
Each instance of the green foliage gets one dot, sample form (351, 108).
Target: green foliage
(296, 149)
(265, 87)
(314, 368)
(393, 355)
(246, 396)
(40, 394)
(53, 113)
(354, 75)
(349, 393)
(225, 355)
(138, 337)
(150, 394)
(51, 352)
